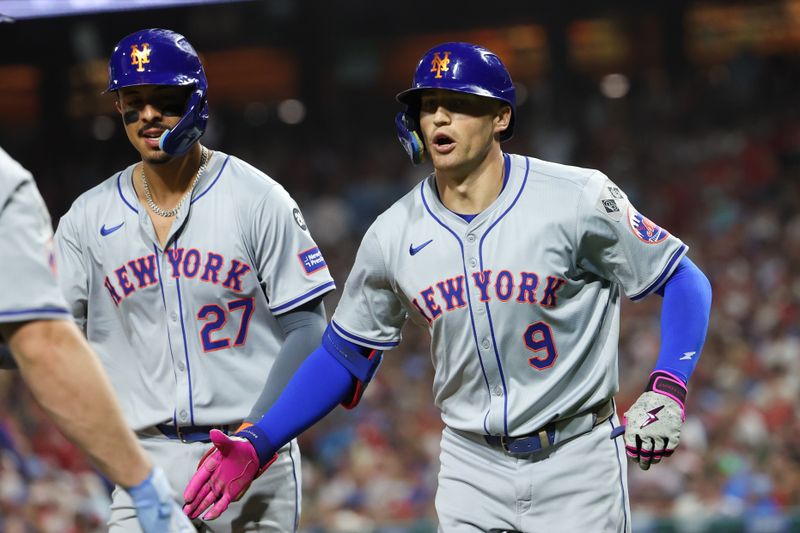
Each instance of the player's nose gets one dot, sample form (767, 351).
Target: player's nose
(150, 112)
(441, 115)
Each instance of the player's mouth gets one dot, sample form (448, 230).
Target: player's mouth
(443, 143)
(151, 136)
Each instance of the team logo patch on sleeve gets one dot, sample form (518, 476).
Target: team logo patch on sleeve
(312, 260)
(644, 228)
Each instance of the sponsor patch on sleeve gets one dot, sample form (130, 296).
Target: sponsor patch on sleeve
(312, 260)
(644, 228)
(612, 202)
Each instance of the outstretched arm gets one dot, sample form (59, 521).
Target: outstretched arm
(67, 380)
(326, 378)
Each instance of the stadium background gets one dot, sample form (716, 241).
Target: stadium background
(691, 107)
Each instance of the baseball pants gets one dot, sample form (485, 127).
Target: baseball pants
(272, 503)
(575, 487)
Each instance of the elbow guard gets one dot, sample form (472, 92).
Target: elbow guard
(361, 362)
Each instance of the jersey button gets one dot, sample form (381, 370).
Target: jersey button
(498, 391)
(174, 316)
(184, 415)
(485, 344)
(470, 238)
(181, 366)
(473, 262)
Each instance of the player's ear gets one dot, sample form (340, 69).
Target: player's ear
(118, 104)
(502, 118)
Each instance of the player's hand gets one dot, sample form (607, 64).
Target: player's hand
(653, 423)
(223, 475)
(157, 510)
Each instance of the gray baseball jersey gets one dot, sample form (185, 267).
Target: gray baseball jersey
(522, 303)
(187, 333)
(28, 287)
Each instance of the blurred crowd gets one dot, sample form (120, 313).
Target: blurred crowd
(711, 154)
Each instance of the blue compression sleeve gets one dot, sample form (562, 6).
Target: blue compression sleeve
(684, 319)
(318, 386)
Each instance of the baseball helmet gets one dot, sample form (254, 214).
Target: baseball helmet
(459, 67)
(163, 57)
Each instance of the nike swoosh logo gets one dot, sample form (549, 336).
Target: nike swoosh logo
(651, 416)
(108, 231)
(413, 251)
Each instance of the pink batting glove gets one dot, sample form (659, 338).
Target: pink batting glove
(223, 476)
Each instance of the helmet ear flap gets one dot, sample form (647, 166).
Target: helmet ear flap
(190, 128)
(408, 134)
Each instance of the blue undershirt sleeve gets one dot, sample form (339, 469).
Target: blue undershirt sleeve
(318, 386)
(684, 319)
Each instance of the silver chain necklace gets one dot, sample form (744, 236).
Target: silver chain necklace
(166, 213)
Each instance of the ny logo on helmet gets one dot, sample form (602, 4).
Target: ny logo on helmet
(439, 64)
(140, 57)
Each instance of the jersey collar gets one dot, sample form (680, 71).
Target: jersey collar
(210, 177)
(514, 175)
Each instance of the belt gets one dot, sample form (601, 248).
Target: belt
(554, 432)
(190, 433)
(533, 442)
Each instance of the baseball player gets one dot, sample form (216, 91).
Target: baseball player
(516, 266)
(195, 277)
(56, 362)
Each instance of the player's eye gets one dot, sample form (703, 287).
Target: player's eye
(429, 106)
(171, 104)
(133, 103)
(172, 109)
(458, 104)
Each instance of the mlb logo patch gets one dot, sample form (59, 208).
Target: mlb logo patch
(312, 260)
(644, 228)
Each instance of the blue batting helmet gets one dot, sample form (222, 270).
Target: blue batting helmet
(163, 57)
(459, 67)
